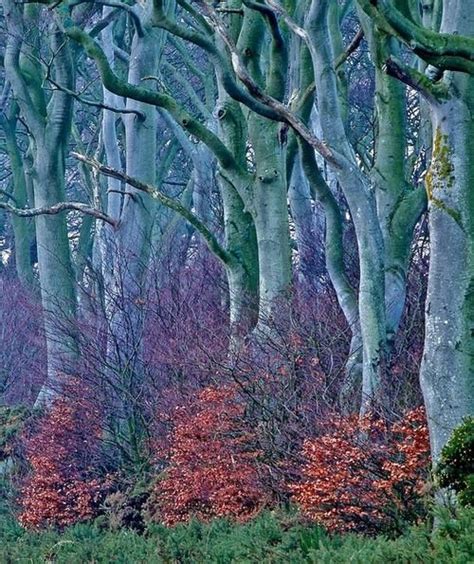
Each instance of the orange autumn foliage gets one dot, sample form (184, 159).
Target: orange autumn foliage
(60, 489)
(364, 474)
(212, 462)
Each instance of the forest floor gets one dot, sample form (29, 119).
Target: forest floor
(267, 539)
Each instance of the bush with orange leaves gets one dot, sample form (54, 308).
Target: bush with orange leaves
(365, 475)
(60, 489)
(213, 468)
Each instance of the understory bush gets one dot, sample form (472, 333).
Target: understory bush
(365, 475)
(212, 462)
(357, 475)
(61, 488)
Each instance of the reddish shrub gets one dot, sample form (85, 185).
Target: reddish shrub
(364, 475)
(61, 489)
(212, 462)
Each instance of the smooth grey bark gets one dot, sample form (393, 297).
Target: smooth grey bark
(242, 270)
(133, 237)
(204, 163)
(129, 245)
(125, 250)
(361, 201)
(447, 371)
(306, 227)
(49, 124)
(266, 198)
(448, 361)
(270, 213)
(322, 192)
(399, 205)
(105, 244)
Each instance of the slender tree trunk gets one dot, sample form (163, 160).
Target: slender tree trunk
(310, 250)
(132, 245)
(22, 227)
(360, 199)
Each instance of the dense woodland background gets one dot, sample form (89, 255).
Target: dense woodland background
(236, 261)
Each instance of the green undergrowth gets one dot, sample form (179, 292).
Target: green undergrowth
(270, 538)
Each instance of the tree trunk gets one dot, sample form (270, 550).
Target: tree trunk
(22, 227)
(447, 371)
(270, 213)
(361, 202)
(242, 270)
(55, 270)
(310, 250)
(49, 127)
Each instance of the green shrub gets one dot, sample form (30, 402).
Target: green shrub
(456, 467)
(271, 538)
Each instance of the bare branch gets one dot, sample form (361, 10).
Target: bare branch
(7, 194)
(284, 114)
(94, 103)
(443, 50)
(165, 200)
(58, 208)
(120, 6)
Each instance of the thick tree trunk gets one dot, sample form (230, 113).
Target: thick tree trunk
(447, 371)
(399, 206)
(55, 270)
(239, 228)
(49, 127)
(270, 212)
(242, 270)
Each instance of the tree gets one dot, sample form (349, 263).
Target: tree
(447, 86)
(48, 120)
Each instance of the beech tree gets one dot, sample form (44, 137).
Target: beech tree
(48, 121)
(445, 44)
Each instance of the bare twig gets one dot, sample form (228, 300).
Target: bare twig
(353, 46)
(94, 103)
(7, 194)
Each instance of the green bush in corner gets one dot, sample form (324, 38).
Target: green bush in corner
(456, 467)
